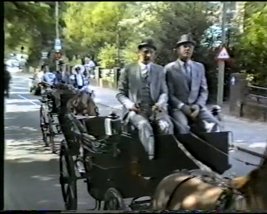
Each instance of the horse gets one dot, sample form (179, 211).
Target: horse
(79, 102)
(185, 190)
(83, 104)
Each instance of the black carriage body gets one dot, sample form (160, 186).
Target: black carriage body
(133, 174)
(209, 148)
(125, 165)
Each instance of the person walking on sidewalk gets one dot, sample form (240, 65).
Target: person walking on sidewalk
(188, 90)
(7, 79)
(142, 91)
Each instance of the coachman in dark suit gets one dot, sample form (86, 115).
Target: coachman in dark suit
(188, 90)
(143, 90)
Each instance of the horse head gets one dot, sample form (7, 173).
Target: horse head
(84, 104)
(254, 187)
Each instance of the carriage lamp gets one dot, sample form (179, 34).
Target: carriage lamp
(113, 124)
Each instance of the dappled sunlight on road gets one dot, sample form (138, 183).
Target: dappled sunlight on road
(21, 108)
(28, 150)
(16, 128)
(38, 187)
(12, 101)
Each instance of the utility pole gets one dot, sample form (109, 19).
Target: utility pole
(57, 21)
(57, 29)
(221, 63)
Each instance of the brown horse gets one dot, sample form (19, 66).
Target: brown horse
(80, 103)
(83, 104)
(184, 191)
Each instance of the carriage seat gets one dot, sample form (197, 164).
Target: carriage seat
(94, 126)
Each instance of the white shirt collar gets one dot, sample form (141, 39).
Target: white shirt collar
(182, 62)
(144, 66)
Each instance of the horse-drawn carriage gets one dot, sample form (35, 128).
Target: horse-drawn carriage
(50, 109)
(109, 157)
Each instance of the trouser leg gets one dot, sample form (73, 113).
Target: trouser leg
(207, 121)
(145, 132)
(180, 122)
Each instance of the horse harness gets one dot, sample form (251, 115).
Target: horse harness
(229, 199)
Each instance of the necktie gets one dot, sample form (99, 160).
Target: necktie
(145, 71)
(187, 72)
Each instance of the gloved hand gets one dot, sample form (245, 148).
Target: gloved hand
(156, 108)
(195, 111)
(186, 110)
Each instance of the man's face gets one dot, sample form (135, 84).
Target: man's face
(146, 54)
(185, 51)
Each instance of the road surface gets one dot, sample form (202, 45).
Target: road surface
(31, 171)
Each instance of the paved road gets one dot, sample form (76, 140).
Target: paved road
(31, 171)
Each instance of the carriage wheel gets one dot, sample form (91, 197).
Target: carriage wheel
(43, 126)
(113, 200)
(67, 179)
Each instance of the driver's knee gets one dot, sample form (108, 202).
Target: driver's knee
(183, 129)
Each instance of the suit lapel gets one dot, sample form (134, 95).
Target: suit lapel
(136, 74)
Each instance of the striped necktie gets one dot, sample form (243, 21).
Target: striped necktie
(187, 72)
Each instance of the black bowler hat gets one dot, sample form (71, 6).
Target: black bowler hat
(147, 43)
(185, 38)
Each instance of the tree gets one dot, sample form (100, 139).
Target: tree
(98, 24)
(252, 49)
(28, 24)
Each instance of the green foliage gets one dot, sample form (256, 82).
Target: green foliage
(107, 56)
(252, 49)
(29, 24)
(91, 25)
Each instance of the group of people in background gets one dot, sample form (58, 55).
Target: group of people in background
(77, 76)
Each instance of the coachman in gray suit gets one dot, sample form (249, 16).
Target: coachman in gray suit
(143, 91)
(188, 91)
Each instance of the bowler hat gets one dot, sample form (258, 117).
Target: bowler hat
(185, 38)
(147, 43)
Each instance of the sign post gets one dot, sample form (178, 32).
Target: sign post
(44, 55)
(222, 57)
(57, 48)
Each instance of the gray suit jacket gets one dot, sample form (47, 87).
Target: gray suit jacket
(179, 90)
(129, 86)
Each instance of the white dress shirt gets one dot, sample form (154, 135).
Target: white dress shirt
(145, 68)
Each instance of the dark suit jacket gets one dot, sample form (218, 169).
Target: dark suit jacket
(179, 90)
(129, 86)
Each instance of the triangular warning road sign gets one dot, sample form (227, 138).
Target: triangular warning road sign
(223, 54)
